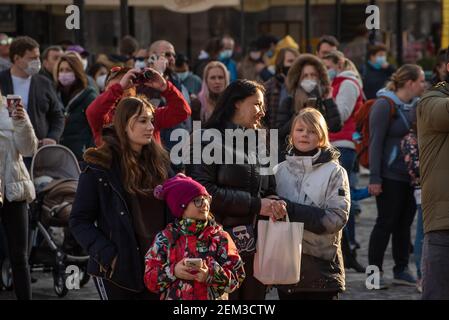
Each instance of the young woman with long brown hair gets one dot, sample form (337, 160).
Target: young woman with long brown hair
(115, 215)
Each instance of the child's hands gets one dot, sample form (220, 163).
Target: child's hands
(182, 271)
(201, 276)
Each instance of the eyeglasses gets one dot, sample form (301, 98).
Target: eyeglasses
(199, 202)
(6, 41)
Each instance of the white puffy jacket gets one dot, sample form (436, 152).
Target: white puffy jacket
(318, 181)
(17, 139)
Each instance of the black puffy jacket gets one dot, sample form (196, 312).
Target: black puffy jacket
(236, 189)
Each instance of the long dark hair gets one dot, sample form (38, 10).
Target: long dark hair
(142, 172)
(225, 109)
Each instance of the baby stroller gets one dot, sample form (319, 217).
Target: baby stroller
(55, 172)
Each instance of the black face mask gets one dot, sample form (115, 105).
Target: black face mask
(285, 70)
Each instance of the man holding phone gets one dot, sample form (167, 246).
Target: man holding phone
(163, 59)
(38, 96)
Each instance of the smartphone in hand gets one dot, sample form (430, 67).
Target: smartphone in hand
(12, 101)
(194, 263)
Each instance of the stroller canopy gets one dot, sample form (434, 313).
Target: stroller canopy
(55, 161)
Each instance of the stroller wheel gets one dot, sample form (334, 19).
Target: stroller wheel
(6, 275)
(59, 285)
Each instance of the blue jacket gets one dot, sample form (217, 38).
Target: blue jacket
(101, 222)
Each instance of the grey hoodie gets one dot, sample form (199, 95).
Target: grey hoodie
(386, 133)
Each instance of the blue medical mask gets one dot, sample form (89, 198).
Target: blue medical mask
(380, 61)
(269, 53)
(332, 74)
(182, 75)
(225, 54)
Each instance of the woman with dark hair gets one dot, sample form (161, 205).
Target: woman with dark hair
(98, 72)
(239, 191)
(115, 215)
(76, 95)
(308, 85)
(392, 115)
(276, 89)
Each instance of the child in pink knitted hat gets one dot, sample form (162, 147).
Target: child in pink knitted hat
(193, 258)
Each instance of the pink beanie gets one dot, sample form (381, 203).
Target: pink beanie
(178, 192)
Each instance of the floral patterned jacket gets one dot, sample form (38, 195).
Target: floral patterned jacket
(409, 148)
(188, 238)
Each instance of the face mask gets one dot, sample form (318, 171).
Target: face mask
(255, 55)
(84, 61)
(380, 61)
(66, 78)
(332, 74)
(101, 80)
(308, 85)
(140, 64)
(225, 54)
(33, 67)
(269, 53)
(285, 70)
(183, 75)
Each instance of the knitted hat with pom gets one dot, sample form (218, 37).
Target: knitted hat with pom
(178, 192)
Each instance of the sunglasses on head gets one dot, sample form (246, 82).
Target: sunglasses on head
(199, 202)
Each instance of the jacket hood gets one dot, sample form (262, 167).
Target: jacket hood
(390, 94)
(294, 74)
(286, 42)
(351, 75)
(101, 156)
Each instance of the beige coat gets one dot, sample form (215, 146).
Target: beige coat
(17, 139)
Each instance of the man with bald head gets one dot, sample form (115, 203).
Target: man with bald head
(163, 58)
(163, 48)
(5, 43)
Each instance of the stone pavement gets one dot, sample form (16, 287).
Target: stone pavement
(355, 282)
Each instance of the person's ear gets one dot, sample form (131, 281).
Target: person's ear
(447, 67)
(238, 105)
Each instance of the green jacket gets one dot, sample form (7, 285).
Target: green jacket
(77, 134)
(433, 140)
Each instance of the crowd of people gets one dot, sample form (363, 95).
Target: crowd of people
(117, 113)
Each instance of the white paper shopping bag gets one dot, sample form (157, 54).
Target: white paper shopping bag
(278, 252)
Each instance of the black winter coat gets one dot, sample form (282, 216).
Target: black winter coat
(101, 222)
(44, 108)
(236, 189)
(77, 135)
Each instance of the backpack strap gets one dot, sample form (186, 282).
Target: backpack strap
(395, 108)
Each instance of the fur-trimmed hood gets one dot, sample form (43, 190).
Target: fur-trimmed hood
(294, 74)
(101, 156)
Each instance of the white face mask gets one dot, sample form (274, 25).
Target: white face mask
(308, 85)
(84, 61)
(33, 67)
(101, 80)
(140, 64)
(255, 55)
